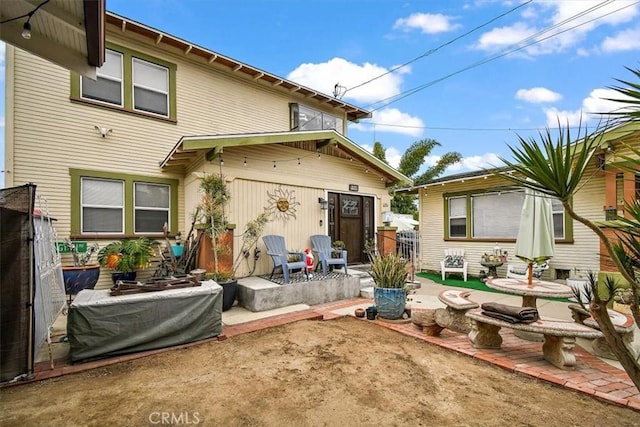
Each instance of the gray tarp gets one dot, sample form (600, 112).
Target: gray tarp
(102, 325)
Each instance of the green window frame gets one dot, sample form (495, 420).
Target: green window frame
(129, 181)
(128, 87)
(558, 213)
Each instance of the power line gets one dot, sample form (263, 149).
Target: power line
(431, 51)
(466, 128)
(511, 49)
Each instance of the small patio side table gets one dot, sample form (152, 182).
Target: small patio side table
(492, 266)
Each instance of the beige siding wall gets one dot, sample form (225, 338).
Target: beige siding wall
(51, 134)
(578, 257)
(256, 186)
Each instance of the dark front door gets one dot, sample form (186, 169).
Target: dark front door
(351, 220)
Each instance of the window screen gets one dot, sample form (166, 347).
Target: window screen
(108, 85)
(150, 87)
(102, 205)
(497, 214)
(458, 217)
(152, 203)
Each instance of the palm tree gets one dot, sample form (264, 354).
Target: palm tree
(557, 168)
(410, 163)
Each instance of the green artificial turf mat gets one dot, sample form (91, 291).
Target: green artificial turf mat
(471, 283)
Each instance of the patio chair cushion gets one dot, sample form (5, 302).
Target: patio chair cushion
(453, 261)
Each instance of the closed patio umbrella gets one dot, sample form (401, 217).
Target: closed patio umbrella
(535, 242)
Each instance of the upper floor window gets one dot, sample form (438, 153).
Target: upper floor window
(307, 118)
(130, 81)
(108, 85)
(150, 87)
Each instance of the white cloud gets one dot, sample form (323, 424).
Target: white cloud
(580, 22)
(427, 23)
(472, 163)
(625, 40)
(394, 121)
(391, 154)
(538, 95)
(324, 76)
(502, 37)
(592, 106)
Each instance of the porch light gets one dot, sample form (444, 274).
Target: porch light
(324, 205)
(26, 30)
(387, 217)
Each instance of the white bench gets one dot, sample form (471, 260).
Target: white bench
(559, 336)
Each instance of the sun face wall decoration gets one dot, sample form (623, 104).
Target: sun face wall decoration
(282, 204)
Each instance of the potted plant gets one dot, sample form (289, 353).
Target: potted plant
(126, 256)
(338, 245)
(83, 274)
(214, 225)
(389, 274)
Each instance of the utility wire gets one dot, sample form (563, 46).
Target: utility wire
(431, 51)
(519, 46)
(30, 14)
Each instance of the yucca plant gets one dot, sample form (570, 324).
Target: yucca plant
(389, 271)
(557, 169)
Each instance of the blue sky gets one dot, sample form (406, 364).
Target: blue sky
(478, 73)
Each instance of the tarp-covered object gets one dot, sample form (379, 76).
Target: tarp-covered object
(101, 325)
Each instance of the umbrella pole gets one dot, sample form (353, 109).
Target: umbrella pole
(530, 275)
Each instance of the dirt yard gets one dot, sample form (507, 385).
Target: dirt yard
(342, 372)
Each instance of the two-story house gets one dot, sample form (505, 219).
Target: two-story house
(121, 155)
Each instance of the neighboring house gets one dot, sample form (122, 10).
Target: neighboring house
(120, 156)
(478, 211)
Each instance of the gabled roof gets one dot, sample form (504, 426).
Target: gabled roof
(188, 148)
(67, 33)
(206, 56)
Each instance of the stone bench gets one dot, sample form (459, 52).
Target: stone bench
(453, 317)
(433, 321)
(559, 336)
(623, 324)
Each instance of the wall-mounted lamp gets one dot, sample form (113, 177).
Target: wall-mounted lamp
(610, 213)
(387, 217)
(324, 205)
(103, 131)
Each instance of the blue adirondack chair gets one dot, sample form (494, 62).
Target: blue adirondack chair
(322, 247)
(277, 249)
